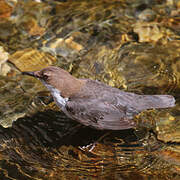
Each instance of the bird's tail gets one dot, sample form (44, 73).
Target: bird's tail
(156, 101)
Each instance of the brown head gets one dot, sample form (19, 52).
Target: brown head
(59, 79)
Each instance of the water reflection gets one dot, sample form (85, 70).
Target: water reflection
(51, 145)
(133, 46)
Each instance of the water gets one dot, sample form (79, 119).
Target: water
(133, 46)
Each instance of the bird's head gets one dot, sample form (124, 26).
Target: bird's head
(55, 77)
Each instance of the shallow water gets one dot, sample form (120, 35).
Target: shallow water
(132, 45)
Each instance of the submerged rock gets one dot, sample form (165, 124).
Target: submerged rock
(133, 46)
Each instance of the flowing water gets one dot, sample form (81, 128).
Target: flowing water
(132, 45)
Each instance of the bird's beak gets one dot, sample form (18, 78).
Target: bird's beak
(30, 73)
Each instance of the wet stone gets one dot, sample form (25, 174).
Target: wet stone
(147, 15)
(132, 45)
(31, 59)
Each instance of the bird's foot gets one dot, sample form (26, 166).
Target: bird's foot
(88, 147)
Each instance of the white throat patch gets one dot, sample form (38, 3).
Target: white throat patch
(60, 101)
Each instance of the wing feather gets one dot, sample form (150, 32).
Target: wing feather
(99, 114)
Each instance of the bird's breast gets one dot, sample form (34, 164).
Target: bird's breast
(59, 100)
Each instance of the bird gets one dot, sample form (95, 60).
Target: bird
(94, 103)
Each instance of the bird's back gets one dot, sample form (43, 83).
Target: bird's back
(116, 97)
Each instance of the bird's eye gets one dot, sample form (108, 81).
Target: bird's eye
(45, 77)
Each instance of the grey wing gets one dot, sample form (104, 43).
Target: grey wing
(99, 114)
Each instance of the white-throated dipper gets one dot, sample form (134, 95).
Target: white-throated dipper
(94, 103)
